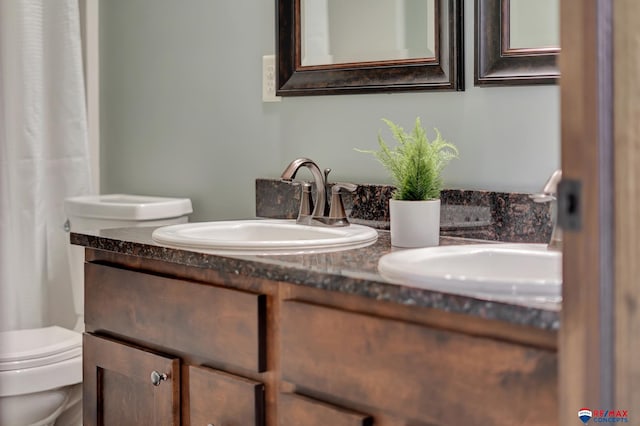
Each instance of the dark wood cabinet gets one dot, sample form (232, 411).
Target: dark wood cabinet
(150, 345)
(245, 351)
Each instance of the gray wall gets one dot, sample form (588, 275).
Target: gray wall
(182, 113)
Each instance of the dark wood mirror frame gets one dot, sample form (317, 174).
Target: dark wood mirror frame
(496, 63)
(445, 72)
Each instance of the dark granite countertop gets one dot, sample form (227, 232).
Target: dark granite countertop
(350, 271)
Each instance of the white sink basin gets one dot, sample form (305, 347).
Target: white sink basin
(254, 237)
(494, 271)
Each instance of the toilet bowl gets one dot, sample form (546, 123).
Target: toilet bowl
(40, 372)
(41, 369)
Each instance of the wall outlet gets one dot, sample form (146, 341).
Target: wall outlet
(269, 79)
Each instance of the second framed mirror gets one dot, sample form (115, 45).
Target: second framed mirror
(516, 42)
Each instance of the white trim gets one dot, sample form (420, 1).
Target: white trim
(90, 18)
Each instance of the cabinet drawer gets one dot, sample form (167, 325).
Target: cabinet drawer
(220, 398)
(296, 410)
(219, 324)
(417, 372)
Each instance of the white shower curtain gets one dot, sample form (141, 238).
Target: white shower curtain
(44, 157)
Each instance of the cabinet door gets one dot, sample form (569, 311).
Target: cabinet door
(223, 399)
(125, 385)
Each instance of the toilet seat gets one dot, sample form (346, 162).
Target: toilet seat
(37, 347)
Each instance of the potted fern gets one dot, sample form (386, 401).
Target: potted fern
(415, 165)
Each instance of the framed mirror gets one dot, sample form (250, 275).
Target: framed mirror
(362, 46)
(516, 42)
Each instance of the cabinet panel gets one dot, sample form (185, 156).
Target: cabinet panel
(220, 324)
(118, 388)
(296, 410)
(220, 398)
(434, 376)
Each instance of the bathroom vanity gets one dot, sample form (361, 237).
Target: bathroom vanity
(180, 337)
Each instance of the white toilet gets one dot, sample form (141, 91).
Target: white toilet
(41, 369)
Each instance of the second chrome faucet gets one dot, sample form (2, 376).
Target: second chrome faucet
(320, 213)
(550, 194)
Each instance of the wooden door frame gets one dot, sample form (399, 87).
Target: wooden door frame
(600, 329)
(627, 203)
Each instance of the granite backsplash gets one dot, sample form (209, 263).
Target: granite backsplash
(486, 215)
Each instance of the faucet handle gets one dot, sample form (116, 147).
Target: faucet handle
(338, 186)
(337, 207)
(306, 202)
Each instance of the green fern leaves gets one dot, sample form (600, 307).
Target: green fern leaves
(415, 164)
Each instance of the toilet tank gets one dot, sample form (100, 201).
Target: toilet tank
(92, 212)
(124, 210)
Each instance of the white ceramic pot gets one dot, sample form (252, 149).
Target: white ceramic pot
(414, 223)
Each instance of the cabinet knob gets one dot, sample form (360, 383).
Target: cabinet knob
(156, 378)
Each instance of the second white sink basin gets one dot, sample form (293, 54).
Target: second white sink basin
(495, 271)
(264, 237)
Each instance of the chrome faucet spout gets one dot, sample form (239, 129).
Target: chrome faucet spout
(289, 174)
(549, 194)
(551, 187)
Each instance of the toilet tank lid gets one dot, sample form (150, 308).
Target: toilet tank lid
(17, 345)
(127, 207)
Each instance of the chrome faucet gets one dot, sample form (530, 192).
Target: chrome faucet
(549, 194)
(318, 213)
